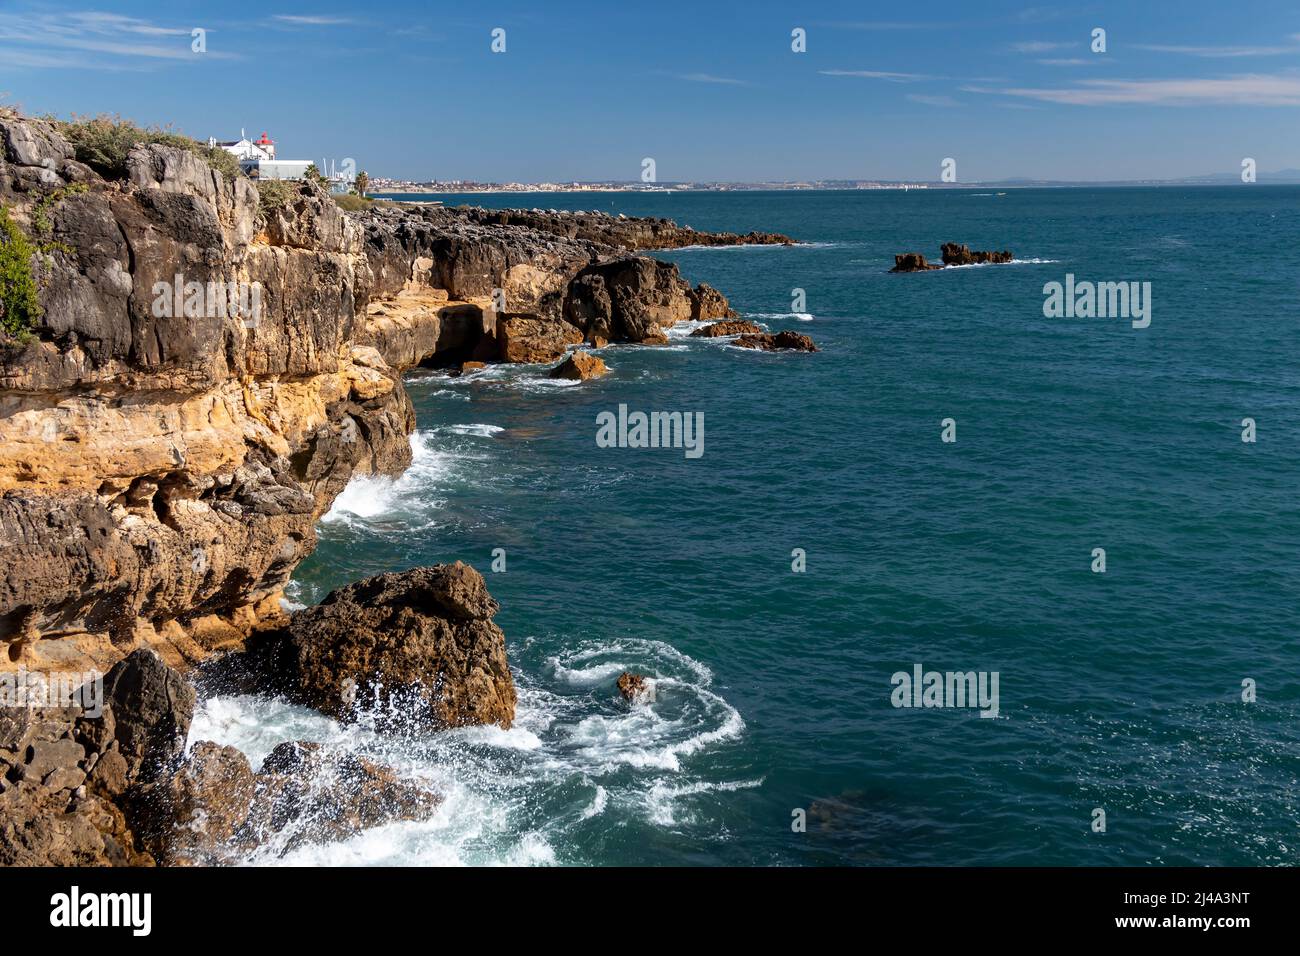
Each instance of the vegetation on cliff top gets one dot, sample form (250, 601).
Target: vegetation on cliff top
(20, 304)
(103, 142)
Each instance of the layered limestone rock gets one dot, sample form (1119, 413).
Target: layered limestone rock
(210, 370)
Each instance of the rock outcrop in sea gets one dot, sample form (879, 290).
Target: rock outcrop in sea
(953, 254)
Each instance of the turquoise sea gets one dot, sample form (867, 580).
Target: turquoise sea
(1120, 691)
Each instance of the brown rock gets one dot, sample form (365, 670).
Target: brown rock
(215, 809)
(599, 341)
(194, 815)
(961, 255)
(580, 366)
(633, 687)
(150, 706)
(781, 341)
(417, 646)
(708, 303)
(738, 327)
(466, 367)
(912, 262)
(532, 338)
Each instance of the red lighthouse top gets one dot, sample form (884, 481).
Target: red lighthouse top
(265, 140)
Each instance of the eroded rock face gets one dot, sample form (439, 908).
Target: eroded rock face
(580, 366)
(161, 473)
(708, 303)
(533, 338)
(412, 647)
(64, 773)
(736, 327)
(633, 299)
(778, 342)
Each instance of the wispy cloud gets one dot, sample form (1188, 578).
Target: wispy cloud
(945, 101)
(880, 75)
(710, 78)
(1217, 52)
(47, 41)
(1039, 46)
(1250, 89)
(874, 25)
(307, 20)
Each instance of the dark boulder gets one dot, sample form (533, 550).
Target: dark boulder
(415, 646)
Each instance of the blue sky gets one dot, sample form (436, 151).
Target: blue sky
(709, 90)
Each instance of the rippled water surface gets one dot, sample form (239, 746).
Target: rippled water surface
(1119, 691)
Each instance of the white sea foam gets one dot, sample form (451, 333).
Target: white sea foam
(413, 496)
(482, 431)
(576, 752)
(1013, 262)
(801, 316)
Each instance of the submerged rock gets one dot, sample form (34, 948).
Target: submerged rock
(415, 646)
(580, 366)
(778, 342)
(737, 327)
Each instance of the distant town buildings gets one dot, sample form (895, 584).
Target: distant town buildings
(257, 158)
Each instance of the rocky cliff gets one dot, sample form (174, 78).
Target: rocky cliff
(166, 445)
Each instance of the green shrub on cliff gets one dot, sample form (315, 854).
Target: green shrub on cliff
(20, 306)
(103, 142)
(350, 202)
(275, 194)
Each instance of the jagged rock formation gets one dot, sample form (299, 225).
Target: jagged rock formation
(161, 473)
(412, 647)
(953, 255)
(961, 255)
(777, 342)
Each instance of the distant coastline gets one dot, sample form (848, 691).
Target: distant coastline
(388, 188)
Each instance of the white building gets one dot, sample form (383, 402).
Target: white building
(257, 158)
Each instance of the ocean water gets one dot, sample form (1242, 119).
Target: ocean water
(1119, 690)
